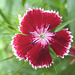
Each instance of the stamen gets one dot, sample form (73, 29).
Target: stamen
(47, 40)
(42, 35)
(34, 33)
(43, 25)
(43, 48)
(48, 24)
(49, 43)
(47, 28)
(29, 32)
(43, 44)
(54, 33)
(42, 28)
(33, 42)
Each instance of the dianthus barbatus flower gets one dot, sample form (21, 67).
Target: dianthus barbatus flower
(37, 24)
(72, 51)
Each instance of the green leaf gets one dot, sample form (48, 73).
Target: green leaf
(23, 2)
(6, 20)
(71, 14)
(58, 28)
(51, 51)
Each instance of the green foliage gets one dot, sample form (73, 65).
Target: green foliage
(69, 70)
(9, 10)
(71, 15)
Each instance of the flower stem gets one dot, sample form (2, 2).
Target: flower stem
(7, 58)
(21, 67)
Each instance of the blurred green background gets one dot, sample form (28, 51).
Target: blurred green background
(9, 10)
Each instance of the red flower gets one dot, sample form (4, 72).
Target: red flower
(37, 24)
(72, 51)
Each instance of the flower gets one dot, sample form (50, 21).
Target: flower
(72, 51)
(34, 46)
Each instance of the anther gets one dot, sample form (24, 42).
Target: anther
(50, 44)
(32, 43)
(48, 24)
(54, 33)
(47, 27)
(43, 25)
(29, 32)
(43, 48)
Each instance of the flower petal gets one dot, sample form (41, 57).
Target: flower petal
(39, 57)
(37, 18)
(61, 42)
(52, 18)
(21, 45)
(72, 50)
(31, 20)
